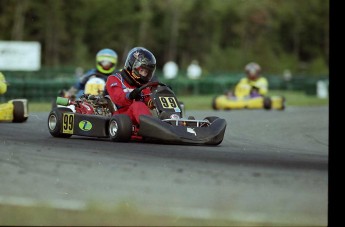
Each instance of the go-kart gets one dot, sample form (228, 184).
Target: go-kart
(15, 110)
(96, 116)
(94, 85)
(224, 102)
(247, 97)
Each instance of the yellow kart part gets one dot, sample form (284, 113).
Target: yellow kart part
(3, 84)
(6, 112)
(94, 86)
(278, 102)
(223, 102)
(15, 110)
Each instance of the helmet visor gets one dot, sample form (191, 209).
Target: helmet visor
(144, 72)
(106, 65)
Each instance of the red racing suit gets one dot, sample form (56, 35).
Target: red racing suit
(118, 89)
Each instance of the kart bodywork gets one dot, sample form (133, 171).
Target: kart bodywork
(246, 96)
(15, 110)
(224, 102)
(96, 116)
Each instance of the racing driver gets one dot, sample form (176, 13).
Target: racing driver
(106, 62)
(123, 86)
(253, 85)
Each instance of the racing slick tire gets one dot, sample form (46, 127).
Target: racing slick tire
(214, 106)
(19, 111)
(55, 122)
(267, 103)
(120, 128)
(283, 103)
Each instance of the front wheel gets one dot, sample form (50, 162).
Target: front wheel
(55, 120)
(120, 128)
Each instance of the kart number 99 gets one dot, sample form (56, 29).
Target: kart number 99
(67, 123)
(168, 102)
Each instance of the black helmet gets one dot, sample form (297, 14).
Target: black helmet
(139, 59)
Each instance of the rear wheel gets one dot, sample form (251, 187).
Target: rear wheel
(267, 103)
(214, 106)
(283, 103)
(55, 122)
(120, 128)
(20, 111)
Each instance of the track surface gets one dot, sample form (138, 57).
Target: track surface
(272, 166)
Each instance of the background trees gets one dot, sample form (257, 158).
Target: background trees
(223, 35)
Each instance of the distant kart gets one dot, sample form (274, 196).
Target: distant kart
(15, 110)
(224, 102)
(96, 116)
(95, 85)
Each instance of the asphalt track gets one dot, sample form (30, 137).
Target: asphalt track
(272, 166)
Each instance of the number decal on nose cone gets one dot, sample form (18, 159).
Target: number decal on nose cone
(168, 102)
(67, 123)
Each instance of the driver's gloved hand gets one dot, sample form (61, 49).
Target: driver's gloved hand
(135, 94)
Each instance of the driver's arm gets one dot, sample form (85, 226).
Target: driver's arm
(116, 93)
(262, 85)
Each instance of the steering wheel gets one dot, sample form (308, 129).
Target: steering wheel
(151, 84)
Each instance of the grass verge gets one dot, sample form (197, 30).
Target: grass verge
(95, 215)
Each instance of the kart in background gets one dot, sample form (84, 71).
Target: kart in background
(95, 85)
(15, 110)
(224, 102)
(96, 116)
(247, 97)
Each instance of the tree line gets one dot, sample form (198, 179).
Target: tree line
(223, 35)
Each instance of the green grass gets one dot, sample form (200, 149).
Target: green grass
(96, 215)
(203, 102)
